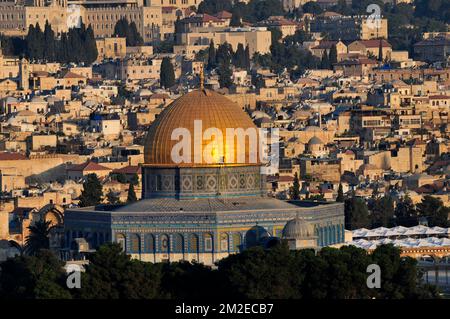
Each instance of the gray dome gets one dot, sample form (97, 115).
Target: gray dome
(298, 228)
(315, 141)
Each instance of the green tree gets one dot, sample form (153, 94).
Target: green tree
(380, 51)
(247, 57)
(224, 53)
(181, 280)
(312, 7)
(276, 34)
(236, 18)
(33, 277)
(405, 213)
(325, 62)
(239, 58)
(90, 46)
(434, 210)
(356, 213)
(92, 192)
(49, 43)
(38, 237)
(167, 74)
(111, 274)
(340, 194)
(382, 212)
(399, 275)
(112, 197)
(131, 198)
(249, 274)
(212, 59)
(215, 6)
(35, 42)
(129, 31)
(332, 56)
(294, 190)
(178, 30)
(134, 179)
(225, 74)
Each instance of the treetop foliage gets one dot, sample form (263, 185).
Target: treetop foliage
(275, 273)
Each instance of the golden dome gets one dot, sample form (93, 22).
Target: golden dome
(214, 111)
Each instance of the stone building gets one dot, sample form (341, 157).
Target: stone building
(300, 234)
(340, 27)
(102, 15)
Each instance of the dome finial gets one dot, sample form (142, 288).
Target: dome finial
(202, 78)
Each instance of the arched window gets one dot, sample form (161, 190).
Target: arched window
(338, 227)
(178, 244)
(135, 243)
(237, 241)
(193, 243)
(95, 240)
(165, 244)
(208, 242)
(121, 240)
(224, 242)
(330, 235)
(68, 239)
(149, 243)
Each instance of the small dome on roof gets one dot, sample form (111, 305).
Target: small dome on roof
(315, 141)
(298, 228)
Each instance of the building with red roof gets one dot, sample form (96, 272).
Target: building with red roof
(76, 172)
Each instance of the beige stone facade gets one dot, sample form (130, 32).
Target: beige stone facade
(111, 48)
(258, 39)
(15, 20)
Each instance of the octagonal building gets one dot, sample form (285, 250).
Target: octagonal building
(202, 201)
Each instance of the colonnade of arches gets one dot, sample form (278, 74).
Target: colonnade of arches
(165, 243)
(330, 235)
(95, 239)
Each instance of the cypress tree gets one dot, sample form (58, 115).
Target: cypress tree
(131, 198)
(247, 57)
(92, 192)
(225, 74)
(167, 74)
(90, 46)
(380, 51)
(324, 63)
(30, 40)
(49, 41)
(134, 34)
(62, 48)
(332, 55)
(212, 59)
(294, 191)
(239, 57)
(224, 53)
(121, 28)
(178, 30)
(340, 194)
(236, 18)
(129, 31)
(39, 42)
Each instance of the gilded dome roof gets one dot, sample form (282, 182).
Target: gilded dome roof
(214, 111)
(298, 228)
